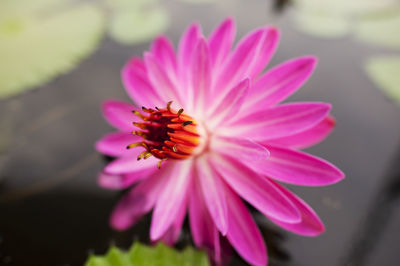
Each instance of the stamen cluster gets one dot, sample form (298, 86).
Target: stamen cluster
(167, 134)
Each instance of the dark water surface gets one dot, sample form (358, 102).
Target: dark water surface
(53, 212)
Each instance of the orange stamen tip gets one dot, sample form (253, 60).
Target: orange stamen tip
(137, 144)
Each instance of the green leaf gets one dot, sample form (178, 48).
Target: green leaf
(43, 38)
(345, 7)
(335, 18)
(142, 255)
(136, 24)
(381, 29)
(321, 24)
(199, 1)
(384, 72)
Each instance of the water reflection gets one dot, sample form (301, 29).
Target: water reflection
(377, 219)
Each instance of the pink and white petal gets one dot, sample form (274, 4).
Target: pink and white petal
(159, 79)
(255, 189)
(200, 74)
(213, 193)
(296, 167)
(266, 50)
(163, 51)
(246, 149)
(118, 182)
(130, 164)
(205, 234)
(179, 176)
(186, 49)
(310, 225)
(246, 60)
(137, 202)
(279, 121)
(115, 143)
(137, 85)
(279, 83)
(308, 137)
(239, 63)
(119, 114)
(220, 42)
(173, 233)
(243, 232)
(224, 111)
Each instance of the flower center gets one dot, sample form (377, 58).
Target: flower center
(167, 134)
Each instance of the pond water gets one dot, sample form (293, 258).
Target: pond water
(53, 212)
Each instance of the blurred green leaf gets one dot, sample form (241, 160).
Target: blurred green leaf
(322, 24)
(345, 7)
(135, 24)
(198, 1)
(43, 38)
(335, 18)
(121, 4)
(381, 29)
(384, 72)
(142, 255)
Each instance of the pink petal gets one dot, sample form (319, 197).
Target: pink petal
(130, 164)
(255, 189)
(246, 149)
(163, 50)
(266, 51)
(173, 233)
(138, 86)
(186, 49)
(220, 41)
(114, 144)
(118, 182)
(280, 121)
(204, 232)
(247, 58)
(137, 202)
(160, 80)
(295, 167)
(240, 62)
(200, 74)
(310, 224)
(279, 83)
(119, 114)
(230, 106)
(243, 232)
(166, 211)
(213, 193)
(308, 137)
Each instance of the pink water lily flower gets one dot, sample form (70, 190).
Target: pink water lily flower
(213, 133)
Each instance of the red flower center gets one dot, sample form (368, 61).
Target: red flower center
(167, 134)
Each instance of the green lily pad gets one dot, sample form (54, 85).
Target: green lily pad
(142, 255)
(381, 29)
(136, 24)
(198, 1)
(122, 4)
(321, 24)
(345, 7)
(384, 72)
(43, 38)
(336, 18)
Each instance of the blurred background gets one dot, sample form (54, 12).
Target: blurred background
(59, 59)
